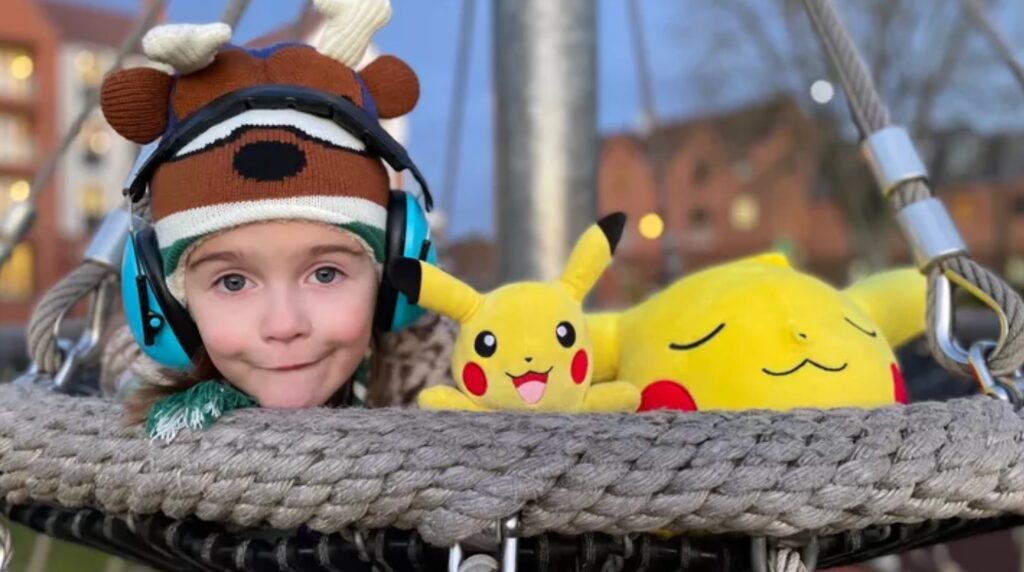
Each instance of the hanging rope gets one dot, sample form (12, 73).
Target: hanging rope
(871, 115)
(976, 11)
(457, 109)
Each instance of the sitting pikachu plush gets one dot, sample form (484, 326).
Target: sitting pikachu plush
(757, 334)
(524, 346)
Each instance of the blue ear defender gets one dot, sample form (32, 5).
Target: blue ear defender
(162, 328)
(408, 235)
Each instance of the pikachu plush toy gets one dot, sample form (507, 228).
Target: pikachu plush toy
(757, 334)
(524, 346)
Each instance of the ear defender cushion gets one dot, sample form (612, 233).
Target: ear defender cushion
(174, 336)
(408, 237)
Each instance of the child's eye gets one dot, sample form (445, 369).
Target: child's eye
(232, 282)
(326, 275)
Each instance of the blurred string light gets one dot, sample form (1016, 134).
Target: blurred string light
(99, 142)
(744, 213)
(22, 67)
(19, 191)
(651, 226)
(822, 91)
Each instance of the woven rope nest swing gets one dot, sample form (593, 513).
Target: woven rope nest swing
(395, 489)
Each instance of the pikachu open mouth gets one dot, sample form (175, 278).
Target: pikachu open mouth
(531, 385)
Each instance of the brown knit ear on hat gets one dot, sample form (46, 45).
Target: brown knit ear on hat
(394, 86)
(134, 102)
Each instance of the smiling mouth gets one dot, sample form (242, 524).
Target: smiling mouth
(531, 385)
(802, 364)
(294, 367)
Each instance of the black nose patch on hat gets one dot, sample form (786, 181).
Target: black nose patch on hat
(269, 161)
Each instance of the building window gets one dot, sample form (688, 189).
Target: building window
(16, 72)
(18, 274)
(700, 231)
(93, 204)
(743, 170)
(701, 172)
(1018, 206)
(17, 142)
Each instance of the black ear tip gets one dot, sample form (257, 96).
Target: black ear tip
(406, 276)
(612, 227)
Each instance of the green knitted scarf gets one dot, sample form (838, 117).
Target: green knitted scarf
(200, 405)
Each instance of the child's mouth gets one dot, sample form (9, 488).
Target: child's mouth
(531, 385)
(294, 367)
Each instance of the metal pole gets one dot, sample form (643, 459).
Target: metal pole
(546, 138)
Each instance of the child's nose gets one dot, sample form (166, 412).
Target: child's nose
(285, 319)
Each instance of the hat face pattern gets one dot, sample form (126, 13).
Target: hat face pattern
(262, 164)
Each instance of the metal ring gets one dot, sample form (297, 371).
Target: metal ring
(510, 529)
(989, 385)
(455, 557)
(809, 554)
(943, 314)
(759, 554)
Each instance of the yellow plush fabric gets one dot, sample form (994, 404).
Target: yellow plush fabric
(524, 346)
(755, 333)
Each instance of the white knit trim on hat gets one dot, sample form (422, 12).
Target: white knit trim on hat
(334, 210)
(311, 125)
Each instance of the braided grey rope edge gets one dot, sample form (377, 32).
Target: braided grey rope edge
(452, 475)
(870, 114)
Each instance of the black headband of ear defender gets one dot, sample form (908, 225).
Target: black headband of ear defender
(340, 110)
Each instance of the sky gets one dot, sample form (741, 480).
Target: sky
(424, 34)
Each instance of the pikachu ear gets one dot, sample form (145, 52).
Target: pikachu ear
(434, 289)
(895, 300)
(592, 254)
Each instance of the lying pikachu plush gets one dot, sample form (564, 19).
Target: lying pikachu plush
(757, 334)
(524, 346)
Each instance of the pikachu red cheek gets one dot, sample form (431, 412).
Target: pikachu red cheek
(474, 379)
(580, 366)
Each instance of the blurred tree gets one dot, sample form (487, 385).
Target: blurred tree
(932, 67)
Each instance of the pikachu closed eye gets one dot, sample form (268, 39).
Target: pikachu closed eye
(524, 346)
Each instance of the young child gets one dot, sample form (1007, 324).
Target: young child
(271, 220)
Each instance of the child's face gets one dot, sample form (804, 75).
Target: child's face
(285, 309)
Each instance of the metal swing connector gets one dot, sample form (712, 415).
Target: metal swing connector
(930, 232)
(893, 158)
(508, 533)
(975, 358)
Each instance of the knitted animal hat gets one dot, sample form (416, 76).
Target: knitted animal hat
(262, 164)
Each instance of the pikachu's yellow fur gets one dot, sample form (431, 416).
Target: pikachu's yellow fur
(755, 333)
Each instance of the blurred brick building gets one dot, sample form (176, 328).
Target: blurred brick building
(51, 55)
